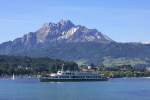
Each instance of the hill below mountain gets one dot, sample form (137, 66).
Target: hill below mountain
(67, 41)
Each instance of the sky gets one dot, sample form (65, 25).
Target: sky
(121, 20)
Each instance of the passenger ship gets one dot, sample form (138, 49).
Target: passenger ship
(72, 76)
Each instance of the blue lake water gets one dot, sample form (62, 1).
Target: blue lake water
(115, 89)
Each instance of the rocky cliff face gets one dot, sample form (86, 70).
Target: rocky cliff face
(66, 31)
(63, 31)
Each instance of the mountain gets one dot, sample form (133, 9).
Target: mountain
(66, 31)
(67, 41)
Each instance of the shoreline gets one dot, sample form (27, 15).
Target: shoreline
(36, 77)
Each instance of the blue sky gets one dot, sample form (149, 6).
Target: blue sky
(121, 20)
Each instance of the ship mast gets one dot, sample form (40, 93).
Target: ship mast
(62, 68)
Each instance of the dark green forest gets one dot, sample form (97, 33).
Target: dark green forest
(32, 66)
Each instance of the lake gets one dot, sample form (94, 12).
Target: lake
(114, 89)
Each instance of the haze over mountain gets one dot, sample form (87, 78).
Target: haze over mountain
(67, 41)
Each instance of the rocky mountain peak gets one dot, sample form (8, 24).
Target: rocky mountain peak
(63, 31)
(66, 31)
(62, 24)
(65, 23)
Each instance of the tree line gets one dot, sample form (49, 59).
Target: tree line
(31, 66)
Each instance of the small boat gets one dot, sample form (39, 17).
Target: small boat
(13, 77)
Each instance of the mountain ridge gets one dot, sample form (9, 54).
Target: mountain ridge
(67, 41)
(63, 31)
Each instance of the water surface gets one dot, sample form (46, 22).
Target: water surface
(115, 89)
